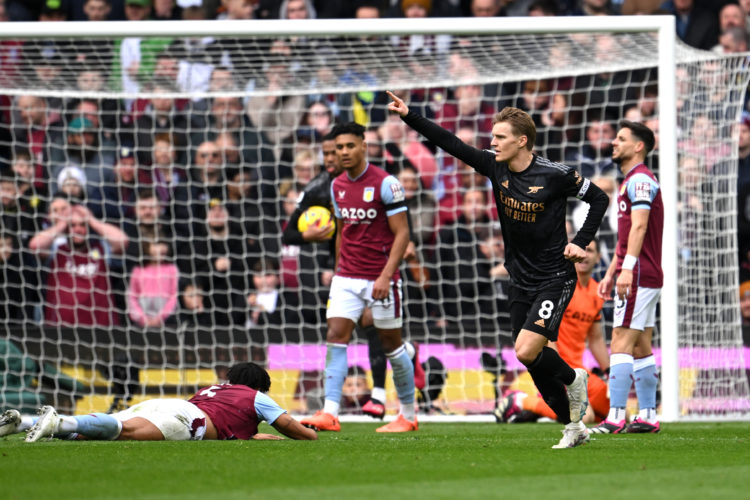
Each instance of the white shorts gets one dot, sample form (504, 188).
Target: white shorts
(638, 311)
(348, 298)
(177, 419)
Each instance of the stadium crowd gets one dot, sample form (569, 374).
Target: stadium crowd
(159, 212)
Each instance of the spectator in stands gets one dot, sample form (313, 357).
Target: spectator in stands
(53, 232)
(166, 10)
(540, 8)
(150, 226)
(316, 122)
(427, 45)
(17, 281)
(238, 9)
(732, 16)
(468, 110)
(696, 27)
(223, 260)
(639, 7)
(732, 40)
(297, 9)
(552, 133)
(193, 312)
(32, 129)
(485, 8)
(267, 306)
(743, 197)
(78, 293)
(15, 214)
(152, 294)
(365, 9)
(32, 199)
(206, 181)
(120, 196)
(704, 142)
(594, 8)
(464, 273)
(276, 115)
(97, 10)
(745, 303)
(161, 117)
(399, 141)
(135, 57)
(81, 149)
(305, 168)
(423, 219)
(226, 117)
(355, 392)
(71, 181)
(166, 174)
(230, 152)
(455, 181)
(594, 157)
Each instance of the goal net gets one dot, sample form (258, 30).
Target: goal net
(187, 144)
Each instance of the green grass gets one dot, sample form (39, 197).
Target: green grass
(453, 461)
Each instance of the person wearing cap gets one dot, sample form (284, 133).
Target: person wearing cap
(80, 148)
(137, 10)
(72, 182)
(53, 10)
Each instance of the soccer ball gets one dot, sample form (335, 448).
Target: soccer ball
(316, 216)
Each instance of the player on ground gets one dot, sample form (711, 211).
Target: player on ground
(318, 193)
(531, 194)
(581, 326)
(222, 411)
(640, 223)
(371, 236)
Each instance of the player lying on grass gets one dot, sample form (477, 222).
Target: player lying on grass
(223, 411)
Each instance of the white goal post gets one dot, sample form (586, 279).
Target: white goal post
(515, 43)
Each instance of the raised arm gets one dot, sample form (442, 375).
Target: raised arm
(478, 159)
(117, 239)
(42, 241)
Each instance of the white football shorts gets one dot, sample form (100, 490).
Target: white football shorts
(348, 298)
(177, 419)
(638, 311)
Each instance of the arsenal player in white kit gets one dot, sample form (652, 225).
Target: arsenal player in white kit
(372, 233)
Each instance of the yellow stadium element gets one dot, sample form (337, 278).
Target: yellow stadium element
(316, 216)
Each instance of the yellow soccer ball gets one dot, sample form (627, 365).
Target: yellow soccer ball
(316, 216)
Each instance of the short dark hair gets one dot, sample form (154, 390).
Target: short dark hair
(251, 375)
(641, 133)
(328, 137)
(146, 193)
(349, 128)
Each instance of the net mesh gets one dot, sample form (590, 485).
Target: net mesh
(190, 152)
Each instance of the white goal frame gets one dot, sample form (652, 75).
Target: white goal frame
(662, 26)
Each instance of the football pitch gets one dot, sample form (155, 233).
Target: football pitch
(441, 460)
